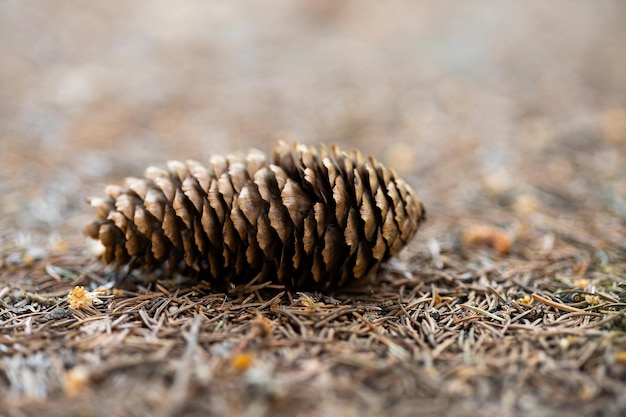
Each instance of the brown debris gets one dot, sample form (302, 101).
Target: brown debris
(490, 236)
(75, 382)
(613, 124)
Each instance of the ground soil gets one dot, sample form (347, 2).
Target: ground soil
(508, 119)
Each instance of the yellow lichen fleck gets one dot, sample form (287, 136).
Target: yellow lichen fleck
(79, 297)
(28, 260)
(581, 283)
(592, 299)
(242, 361)
(76, 379)
(437, 299)
(620, 356)
(307, 301)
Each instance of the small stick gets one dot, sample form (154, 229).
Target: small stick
(483, 312)
(558, 306)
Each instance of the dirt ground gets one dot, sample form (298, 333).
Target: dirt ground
(508, 119)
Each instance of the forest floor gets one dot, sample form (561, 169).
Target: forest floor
(509, 124)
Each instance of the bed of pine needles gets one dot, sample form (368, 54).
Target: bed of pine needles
(483, 318)
(510, 301)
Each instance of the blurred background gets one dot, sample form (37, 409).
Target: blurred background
(489, 109)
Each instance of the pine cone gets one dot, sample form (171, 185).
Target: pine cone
(310, 218)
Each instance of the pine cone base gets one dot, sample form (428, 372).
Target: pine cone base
(312, 217)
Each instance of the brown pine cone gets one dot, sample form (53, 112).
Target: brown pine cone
(310, 218)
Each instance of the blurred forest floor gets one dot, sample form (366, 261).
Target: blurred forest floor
(508, 119)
